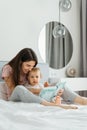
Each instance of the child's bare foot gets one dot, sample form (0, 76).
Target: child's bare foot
(58, 100)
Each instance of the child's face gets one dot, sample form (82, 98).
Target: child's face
(34, 78)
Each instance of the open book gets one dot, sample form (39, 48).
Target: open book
(50, 92)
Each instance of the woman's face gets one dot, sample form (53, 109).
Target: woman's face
(27, 66)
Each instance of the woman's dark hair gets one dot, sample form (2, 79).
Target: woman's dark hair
(26, 54)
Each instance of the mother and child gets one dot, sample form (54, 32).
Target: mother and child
(17, 76)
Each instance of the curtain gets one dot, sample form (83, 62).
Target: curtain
(58, 50)
(83, 43)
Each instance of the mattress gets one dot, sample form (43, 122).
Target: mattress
(31, 116)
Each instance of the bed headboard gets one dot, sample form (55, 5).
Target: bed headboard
(43, 67)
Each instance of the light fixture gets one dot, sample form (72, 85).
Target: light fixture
(65, 5)
(59, 30)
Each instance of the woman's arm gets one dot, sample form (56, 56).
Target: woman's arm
(8, 81)
(7, 76)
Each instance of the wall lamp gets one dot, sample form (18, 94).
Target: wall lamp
(59, 30)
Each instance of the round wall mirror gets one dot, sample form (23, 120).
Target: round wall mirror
(56, 51)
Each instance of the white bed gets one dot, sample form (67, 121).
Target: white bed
(31, 116)
(21, 116)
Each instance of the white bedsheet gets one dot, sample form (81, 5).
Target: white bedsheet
(25, 116)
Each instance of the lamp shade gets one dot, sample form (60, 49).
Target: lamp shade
(58, 31)
(65, 5)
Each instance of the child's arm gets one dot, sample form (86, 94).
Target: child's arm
(35, 90)
(47, 84)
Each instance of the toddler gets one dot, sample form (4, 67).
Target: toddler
(49, 93)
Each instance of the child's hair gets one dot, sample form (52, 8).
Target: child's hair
(35, 69)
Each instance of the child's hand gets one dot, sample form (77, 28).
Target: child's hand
(46, 84)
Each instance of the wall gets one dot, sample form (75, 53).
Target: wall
(22, 20)
(76, 84)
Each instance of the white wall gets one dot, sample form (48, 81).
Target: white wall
(22, 20)
(76, 84)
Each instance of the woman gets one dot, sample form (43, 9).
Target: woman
(15, 76)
